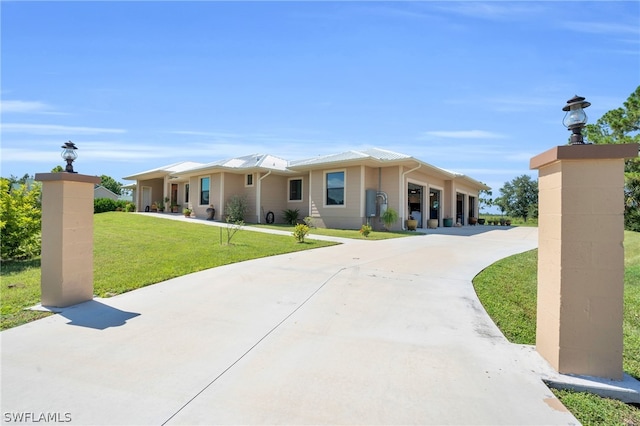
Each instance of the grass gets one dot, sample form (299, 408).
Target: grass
(507, 289)
(344, 233)
(133, 251)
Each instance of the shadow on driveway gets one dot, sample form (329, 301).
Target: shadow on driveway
(93, 314)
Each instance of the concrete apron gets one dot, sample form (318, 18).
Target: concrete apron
(369, 332)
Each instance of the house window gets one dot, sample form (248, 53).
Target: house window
(186, 193)
(295, 189)
(249, 180)
(204, 191)
(335, 188)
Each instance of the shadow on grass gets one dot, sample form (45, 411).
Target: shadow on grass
(17, 266)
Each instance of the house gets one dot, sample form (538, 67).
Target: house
(102, 192)
(343, 190)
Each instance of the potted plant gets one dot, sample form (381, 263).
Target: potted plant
(175, 208)
(481, 221)
(187, 212)
(160, 205)
(389, 217)
(448, 222)
(473, 220)
(412, 224)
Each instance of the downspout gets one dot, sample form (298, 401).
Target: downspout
(403, 194)
(259, 195)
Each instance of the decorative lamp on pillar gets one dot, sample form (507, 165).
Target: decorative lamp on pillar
(575, 118)
(69, 154)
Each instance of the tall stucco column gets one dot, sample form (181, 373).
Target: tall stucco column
(581, 258)
(67, 238)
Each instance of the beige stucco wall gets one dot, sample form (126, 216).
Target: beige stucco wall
(581, 258)
(346, 216)
(67, 238)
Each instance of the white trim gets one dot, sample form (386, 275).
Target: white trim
(324, 189)
(200, 190)
(301, 179)
(246, 178)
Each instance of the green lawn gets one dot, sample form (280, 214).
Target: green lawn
(133, 251)
(507, 289)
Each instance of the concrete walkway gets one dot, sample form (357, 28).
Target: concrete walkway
(367, 332)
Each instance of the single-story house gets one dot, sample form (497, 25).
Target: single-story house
(100, 191)
(344, 190)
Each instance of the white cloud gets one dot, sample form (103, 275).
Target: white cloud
(55, 129)
(464, 134)
(602, 27)
(492, 10)
(23, 106)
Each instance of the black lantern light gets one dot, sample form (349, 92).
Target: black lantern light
(575, 118)
(69, 154)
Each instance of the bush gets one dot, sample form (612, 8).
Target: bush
(300, 232)
(290, 216)
(102, 205)
(20, 221)
(236, 208)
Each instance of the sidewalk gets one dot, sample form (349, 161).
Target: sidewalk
(367, 332)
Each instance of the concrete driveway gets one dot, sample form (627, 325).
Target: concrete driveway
(367, 332)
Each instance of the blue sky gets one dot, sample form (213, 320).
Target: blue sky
(474, 87)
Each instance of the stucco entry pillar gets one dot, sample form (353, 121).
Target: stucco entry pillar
(67, 238)
(581, 258)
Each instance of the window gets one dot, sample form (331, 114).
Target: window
(186, 193)
(295, 189)
(249, 180)
(335, 189)
(204, 191)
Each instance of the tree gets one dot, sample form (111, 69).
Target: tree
(519, 197)
(111, 184)
(57, 169)
(622, 125)
(485, 198)
(20, 219)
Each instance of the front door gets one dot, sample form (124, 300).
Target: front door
(146, 198)
(414, 197)
(434, 205)
(460, 208)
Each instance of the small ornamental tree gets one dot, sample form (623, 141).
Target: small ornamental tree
(236, 208)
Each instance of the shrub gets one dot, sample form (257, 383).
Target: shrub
(300, 232)
(309, 222)
(389, 217)
(290, 216)
(20, 221)
(365, 230)
(236, 208)
(101, 205)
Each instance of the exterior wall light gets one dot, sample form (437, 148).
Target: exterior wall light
(69, 154)
(575, 118)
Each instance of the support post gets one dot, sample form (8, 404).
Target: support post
(581, 258)
(67, 238)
